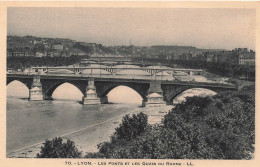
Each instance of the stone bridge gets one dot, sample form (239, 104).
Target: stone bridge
(95, 90)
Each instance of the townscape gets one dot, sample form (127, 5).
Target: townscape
(57, 47)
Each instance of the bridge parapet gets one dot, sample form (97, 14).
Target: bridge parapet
(113, 70)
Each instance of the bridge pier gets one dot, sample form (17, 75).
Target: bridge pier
(35, 93)
(91, 94)
(104, 100)
(154, 95)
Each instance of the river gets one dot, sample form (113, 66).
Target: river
(31, 122)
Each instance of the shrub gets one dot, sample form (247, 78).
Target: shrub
(56, 148)
(222, 128)
(131, 127)
(128, 130)
(219, 127)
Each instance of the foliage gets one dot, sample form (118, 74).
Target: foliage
(227, 69)
(224, 126)
(56, 148)
(131, 126)
(219, 127)
(26, 62)
(128, 130)
(86, 49)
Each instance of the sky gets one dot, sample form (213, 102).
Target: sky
(202, 28)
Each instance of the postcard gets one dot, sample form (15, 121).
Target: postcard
(129, 83)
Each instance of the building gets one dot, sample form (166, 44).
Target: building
(9, 53)
(76, 52)
(18, 53)
(211, 57)
(185, 56)
(224, 56)
(53, 53)
(240, 50)
(247, 58)
(57, 47)
(40, 54)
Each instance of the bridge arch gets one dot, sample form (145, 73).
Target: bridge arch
(67, 91)
(158, 67)
(126, 66)
(103, 88)
(193, 92)
(129, 69)
(26, 82)
(18, 89)
(60, 71)
(50, 86)
(113, 87)
(124, 94)
(95, 72)
(172, 91)
(133, 72)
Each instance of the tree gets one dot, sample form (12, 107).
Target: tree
(219, 127)
(25, 62)
(224, 126)
(128, 131)
(131, 126)
(56, 148)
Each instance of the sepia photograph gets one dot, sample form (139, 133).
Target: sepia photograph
(86, 82)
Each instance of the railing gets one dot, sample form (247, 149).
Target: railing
(113, 70)
(123, 68)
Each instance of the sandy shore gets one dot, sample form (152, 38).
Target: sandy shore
(87, 139)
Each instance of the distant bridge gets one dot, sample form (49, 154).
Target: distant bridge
(114, 69)
(95, 88)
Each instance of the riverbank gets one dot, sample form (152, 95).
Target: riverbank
(87, 139)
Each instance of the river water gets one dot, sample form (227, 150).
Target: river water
(31, 122)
